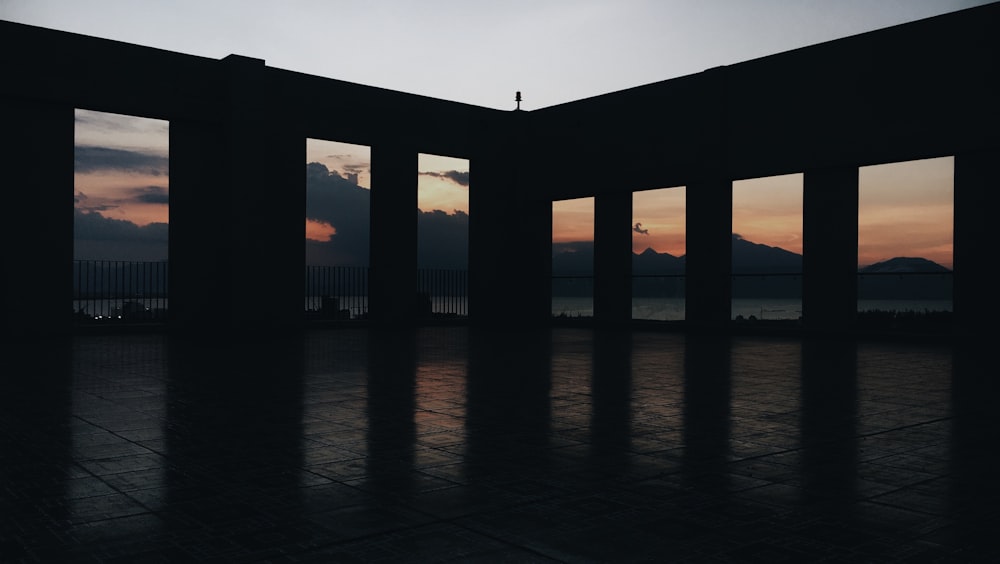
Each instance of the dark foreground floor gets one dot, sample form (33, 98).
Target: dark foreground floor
(454, 445)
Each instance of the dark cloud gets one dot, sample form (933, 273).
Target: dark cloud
(92, 225)
(92, 159)
(335, 200)
(442, 238)
(100, 238)
(355, 168)
(80, 200)
(457, 176)
(150, 195)
(138, 194)
(638, 229)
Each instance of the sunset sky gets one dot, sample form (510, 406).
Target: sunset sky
(344, 158)
(658, 220)
(121, 187)
(904, 209)
(121, 166)
(442, 183)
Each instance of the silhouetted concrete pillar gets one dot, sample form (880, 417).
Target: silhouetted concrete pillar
(268, 192)
(709, 263)
(392, 283)
(830, 249)
(613, 259)
(245, 245)
(199, 257)
(37, 160)
(976, 185)
(510, 230)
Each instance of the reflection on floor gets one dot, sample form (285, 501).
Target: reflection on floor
(449, 444)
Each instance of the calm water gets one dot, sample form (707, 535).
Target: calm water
(672, 309)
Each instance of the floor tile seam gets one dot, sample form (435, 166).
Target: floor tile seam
(566, 495)
(904, 427)
(877, 459)
(119, 491)
(911, 487)
(322, 546)
(115, 488)
(509, 543)
(106, 430)
(906, 509)
(146, 511)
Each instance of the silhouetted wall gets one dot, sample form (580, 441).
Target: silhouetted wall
(708, 280)
(613, 259)
(238, 130)
(977, 182)
(510, 227)
(393, 279)
(37, 257)
(830, 248)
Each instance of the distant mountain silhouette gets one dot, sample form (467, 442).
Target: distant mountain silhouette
(904, 265)
(652, 262)
(881, 285)
(756, 258)
(577, 259)
(749, 258)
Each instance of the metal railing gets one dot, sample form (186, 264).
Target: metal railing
(443, 293)
(336, 292)
(113, 291)
(341, 292)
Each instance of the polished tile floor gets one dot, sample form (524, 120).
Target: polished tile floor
(455, 445)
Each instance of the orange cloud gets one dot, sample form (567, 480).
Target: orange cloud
(319, 231)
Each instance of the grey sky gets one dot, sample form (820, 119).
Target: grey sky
(478, 51)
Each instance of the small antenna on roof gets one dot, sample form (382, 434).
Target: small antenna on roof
(517, 98)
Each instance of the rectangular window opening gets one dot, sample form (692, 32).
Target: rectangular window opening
(442, 235)
(121, 218)
(905, 244)
(767, 249)
(573, 258)
(659, 244)
(337, 229)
